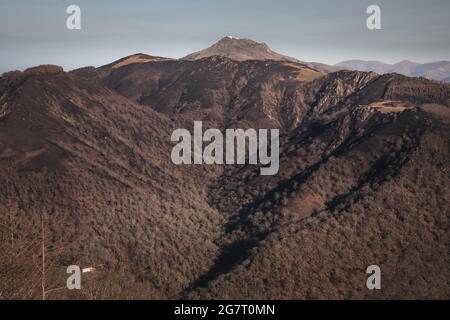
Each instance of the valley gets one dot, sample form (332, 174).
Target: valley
(85, 159)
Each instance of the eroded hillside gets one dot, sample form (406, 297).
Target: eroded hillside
(85, 165)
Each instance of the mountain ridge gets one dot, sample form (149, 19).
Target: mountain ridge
(239, 49)
(436, 70)
(242, 49)
(85, 155)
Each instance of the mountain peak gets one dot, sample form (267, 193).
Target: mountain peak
(45, 68)
(407, 62)
(239, 49)
(233, 39)
(229, 38)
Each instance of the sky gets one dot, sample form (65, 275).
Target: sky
(34, 32)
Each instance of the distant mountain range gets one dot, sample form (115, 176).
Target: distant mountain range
(246, 49)
(438, 70)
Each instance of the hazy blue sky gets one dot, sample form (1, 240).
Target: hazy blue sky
(329, 31)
